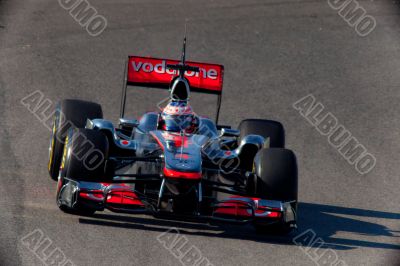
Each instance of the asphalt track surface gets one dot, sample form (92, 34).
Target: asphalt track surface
(274, 52)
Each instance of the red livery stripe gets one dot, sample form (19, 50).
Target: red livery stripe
(177, 174)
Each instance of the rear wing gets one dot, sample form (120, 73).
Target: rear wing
(155, 73)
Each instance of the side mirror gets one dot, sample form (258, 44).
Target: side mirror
(128, 123)
(227, 132)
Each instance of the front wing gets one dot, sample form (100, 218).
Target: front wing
(123, 198)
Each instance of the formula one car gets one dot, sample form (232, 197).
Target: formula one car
(173, 163)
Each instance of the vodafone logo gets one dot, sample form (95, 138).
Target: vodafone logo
(161, 68)
(149, 71)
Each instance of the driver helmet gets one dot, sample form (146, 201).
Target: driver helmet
(178, 116)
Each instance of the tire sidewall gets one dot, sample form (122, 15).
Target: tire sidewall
(277, 174)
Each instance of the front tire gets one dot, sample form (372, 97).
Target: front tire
(84, 159)
(85, 155)
(277, 179)
(276, 171)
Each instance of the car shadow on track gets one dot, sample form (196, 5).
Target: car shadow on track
(327, 220)
(324, 221)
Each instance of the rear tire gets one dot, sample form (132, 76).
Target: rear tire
(265, 128)
(272, 131)
(68, 114)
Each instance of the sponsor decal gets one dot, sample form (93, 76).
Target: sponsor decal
(125, 142)
(176, 108)
(154, 71)
(182, 156)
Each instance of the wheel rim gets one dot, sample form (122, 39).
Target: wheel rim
(52, 141)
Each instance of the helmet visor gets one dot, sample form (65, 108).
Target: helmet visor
(177, 123)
